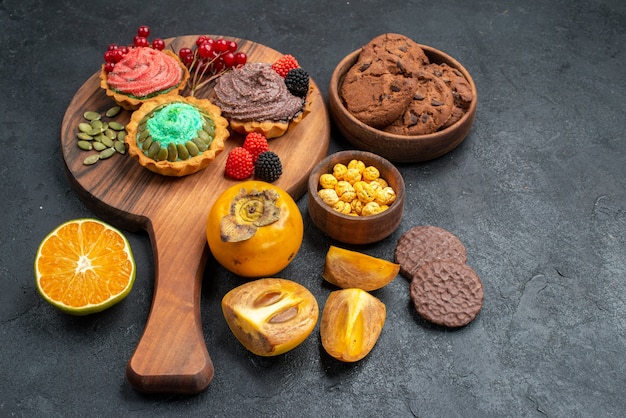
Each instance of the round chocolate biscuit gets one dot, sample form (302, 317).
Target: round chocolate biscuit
(392, 53)
(455, 116)
(377, 100)
(422, 244)
(460, 87)
(447, 293)
(429, 110)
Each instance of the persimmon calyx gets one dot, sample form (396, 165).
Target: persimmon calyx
(248, 212)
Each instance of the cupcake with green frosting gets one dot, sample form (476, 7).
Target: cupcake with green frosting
(175, 135)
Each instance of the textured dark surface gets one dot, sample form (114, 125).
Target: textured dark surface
(536, 193)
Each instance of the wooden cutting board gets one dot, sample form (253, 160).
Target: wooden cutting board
(171, 356)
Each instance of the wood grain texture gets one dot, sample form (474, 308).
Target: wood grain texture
(171, 356)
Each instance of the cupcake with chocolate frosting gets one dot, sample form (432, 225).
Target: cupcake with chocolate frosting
(254, 98)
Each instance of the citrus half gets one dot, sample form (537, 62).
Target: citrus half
(84, 266)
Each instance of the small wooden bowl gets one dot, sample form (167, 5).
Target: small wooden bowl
(399, 148)
(356, 229)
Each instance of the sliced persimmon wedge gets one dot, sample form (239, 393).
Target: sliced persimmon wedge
(353, 269)
(352, 321)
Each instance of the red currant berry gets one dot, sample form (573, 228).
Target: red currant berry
(183, 52)
(188, 59)
(214, 54)
(109, 66)
(140, 41)
(232, 46)
(124, 49)
(112, 47)
(158, 44)
(221, 45)
(229, 59)
(205, 50)
(218, 65)
(241, 58)
(118, 54)
(201, 39)
(109, 56)
(143, 31)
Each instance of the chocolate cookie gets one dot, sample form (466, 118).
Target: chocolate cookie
(392, 53)
(421, 245)
(447, 293)
(429, 109)
(377, 100)
(460, 87)
(379, 87)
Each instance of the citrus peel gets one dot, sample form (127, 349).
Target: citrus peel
(84, 266)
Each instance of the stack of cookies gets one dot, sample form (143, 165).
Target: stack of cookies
(445, 290)
(394, 87)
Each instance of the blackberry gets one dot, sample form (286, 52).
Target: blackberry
(268, 167)
(297, 81)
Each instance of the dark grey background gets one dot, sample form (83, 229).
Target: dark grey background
(536, 193)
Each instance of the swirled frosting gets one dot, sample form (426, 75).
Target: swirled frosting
(145, 71)
(176, 122)
(255, 92)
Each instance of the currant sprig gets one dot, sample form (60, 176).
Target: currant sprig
(209, 58)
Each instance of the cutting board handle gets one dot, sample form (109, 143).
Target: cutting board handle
(171, 356)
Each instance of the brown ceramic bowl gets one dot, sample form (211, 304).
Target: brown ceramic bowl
(399, 148)
(356, 229)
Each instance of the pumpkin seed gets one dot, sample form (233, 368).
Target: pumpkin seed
(101, 136)
(183, 152)
(84, 127)
(142, 136)
(116, 126)
(95, 132)
(106, 153)
(200, 144)
(161, 155)
(97, 124)
(147, 143)
(85, 145)
(92, 159)
(120, 147)
(110, 133)
(99, 146)
(107, 141)
(90, 115)
(154, 150)
(112, 112)
(172, 152)
(193, 148)
(84, 136)
(209, 129)
(203, 135)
